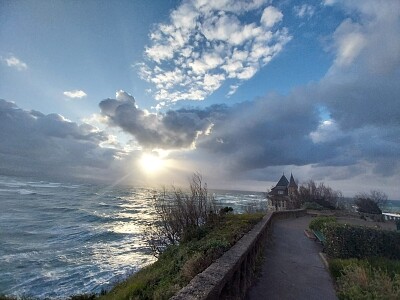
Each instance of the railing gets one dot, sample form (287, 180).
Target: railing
(391, 216)
(231, 275)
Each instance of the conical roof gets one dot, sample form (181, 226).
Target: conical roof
(292, 182)
(283, 181)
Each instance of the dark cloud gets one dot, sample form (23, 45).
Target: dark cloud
(34, 143)
(173, 130)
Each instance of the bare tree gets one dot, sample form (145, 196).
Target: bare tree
(179, 214)
(321, 194)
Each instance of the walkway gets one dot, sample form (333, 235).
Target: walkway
(292, 268)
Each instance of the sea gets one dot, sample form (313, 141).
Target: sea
(59, 239)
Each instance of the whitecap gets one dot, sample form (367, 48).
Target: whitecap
(25, 192)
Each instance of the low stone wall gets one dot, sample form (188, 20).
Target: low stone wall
(231, 275)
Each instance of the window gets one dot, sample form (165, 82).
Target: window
(280, 192)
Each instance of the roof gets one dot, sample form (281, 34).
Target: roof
(282, 182)
(292, 182)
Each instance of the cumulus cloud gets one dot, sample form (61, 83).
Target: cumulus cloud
(75, 94)
(178, 129)
(14, 62)
(271, 16)
(34, 143)
(360, 93)
(207, 42)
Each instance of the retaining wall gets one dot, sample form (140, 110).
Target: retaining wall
(231, 275)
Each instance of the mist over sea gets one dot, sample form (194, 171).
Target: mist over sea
(59, 239)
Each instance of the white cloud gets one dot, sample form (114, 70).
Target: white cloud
(14, 62)
(329, 2)
(234, 6)
(349, 41)
(247, 73)
(271, 16)
(213, 82)
(232, 90)
(75, 94)
(305, 10)
(205, 42)
(327, 131)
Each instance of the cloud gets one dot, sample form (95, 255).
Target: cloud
(355, 138)
(14, 62)
(349, 42)
(368, 38)
(50, 145)
(327, 131)
(178, 129)
(271, 16)
(304, 11)
(207, 42)
(74, 94)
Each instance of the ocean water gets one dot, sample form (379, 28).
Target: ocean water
(59, 239)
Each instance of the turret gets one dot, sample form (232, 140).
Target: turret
(292, 187)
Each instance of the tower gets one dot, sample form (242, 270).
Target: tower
(292, 187)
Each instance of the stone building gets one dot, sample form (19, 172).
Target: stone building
(283, 195)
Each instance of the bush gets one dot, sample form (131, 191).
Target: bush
(181, 216)
(321, 194)
(319, 223)
(345, 241)
(337, 265)
(365, 282)
(312, 205)
(83, 297)
(367, 205)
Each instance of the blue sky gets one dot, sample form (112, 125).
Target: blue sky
(238, 90)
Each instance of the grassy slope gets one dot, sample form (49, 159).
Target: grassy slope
(179, 264)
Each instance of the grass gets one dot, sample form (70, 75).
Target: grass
(179, 264)
(373, 278)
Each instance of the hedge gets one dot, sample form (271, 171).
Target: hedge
(347, 241)
(319, 223)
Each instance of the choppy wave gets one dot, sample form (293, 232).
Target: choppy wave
(59, 239)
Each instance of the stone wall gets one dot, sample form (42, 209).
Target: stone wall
(231, 275)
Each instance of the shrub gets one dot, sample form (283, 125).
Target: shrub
(367, 205)
(312, 205)
(319, 223)
(225, 210)
(345, 241)
(180, 215)
(83, 297)
(321, 194)
(390, 266)
(337, 265)
(365, 282)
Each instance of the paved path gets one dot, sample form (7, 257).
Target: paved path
(292, 268)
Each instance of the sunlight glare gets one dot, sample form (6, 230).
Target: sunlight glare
(151, 163)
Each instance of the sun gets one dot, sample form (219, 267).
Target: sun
(151, 163)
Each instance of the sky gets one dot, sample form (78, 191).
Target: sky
(148, 92)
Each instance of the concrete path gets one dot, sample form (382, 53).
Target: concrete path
(292, 268)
